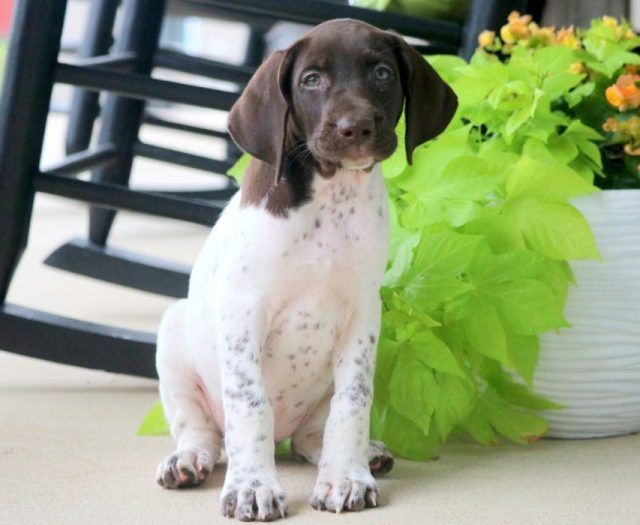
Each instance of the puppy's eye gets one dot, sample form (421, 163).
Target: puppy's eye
(383, 73)
(311, 80)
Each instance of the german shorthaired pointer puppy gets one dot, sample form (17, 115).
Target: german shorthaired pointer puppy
(277, 337)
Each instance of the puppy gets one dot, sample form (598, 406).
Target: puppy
(278, 334)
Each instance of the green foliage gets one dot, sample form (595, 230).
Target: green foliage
(482, 228)
(154, 423)
(589, 75)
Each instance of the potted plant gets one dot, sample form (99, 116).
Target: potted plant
(485, 223)
(594, 368)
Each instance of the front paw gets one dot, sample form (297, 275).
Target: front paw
(253, 499)
(354, 491)
(184, 468)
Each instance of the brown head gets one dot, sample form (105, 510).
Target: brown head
(333, 100)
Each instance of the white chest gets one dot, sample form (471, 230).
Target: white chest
(307, 274)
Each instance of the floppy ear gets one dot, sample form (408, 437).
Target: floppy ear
(429, 102)
(257, 121)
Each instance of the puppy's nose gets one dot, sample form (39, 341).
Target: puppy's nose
(355, 129)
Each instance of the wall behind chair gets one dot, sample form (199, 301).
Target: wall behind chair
(580, 12)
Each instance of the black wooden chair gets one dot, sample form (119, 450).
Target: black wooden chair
(123, 71)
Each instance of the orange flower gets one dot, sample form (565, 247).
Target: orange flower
(517, 28)
(515, 18)
(624, 93)
(614, 96)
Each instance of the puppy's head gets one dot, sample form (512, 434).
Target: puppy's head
(337, 94)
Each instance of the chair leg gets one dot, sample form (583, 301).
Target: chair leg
(84, 106)
(122, 117)
(33, 51)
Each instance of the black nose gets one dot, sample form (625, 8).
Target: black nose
(355, 129)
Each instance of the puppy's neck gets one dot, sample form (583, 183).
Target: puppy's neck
(297, 185)
(292, 190)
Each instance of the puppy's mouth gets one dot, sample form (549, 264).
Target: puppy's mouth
(365, 164)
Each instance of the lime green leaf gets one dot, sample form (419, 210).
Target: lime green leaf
(577, 130)
(397, 163)
(477, 424)
(485, 332)
(386, 357)
(432, 352)
(554, 229)
(523, 351)
(546, 181)
(454, 403)
(557, 276)
(555, 85)
(506, 267)
(402, 436)
(283, 448)
(429, 291)
(430, 160)
(518, 426)
(553, 60)
(575, 96)
(501, 232)
(237, 170)
(417, 314)
(446, 253)
(517, 394)
(402, 261)
(527, 305)
(413, 391)
(562, 148)
(154, 423)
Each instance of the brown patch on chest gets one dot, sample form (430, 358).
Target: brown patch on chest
(292, 190)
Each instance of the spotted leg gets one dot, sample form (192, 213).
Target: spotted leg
(344, 480)
(306, 443)
(251, 489)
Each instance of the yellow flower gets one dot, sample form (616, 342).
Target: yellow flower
(630, 149)
(610, 125)
(609, 21)
(486, 38)
(567, 37)
(630, 34)
(576, 68)
(506, 35)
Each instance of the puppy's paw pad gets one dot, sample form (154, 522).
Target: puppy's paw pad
(184, 468)
(345, 494)
(380, 459)
(254, 500)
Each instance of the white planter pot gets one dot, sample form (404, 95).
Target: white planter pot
(593, 368)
